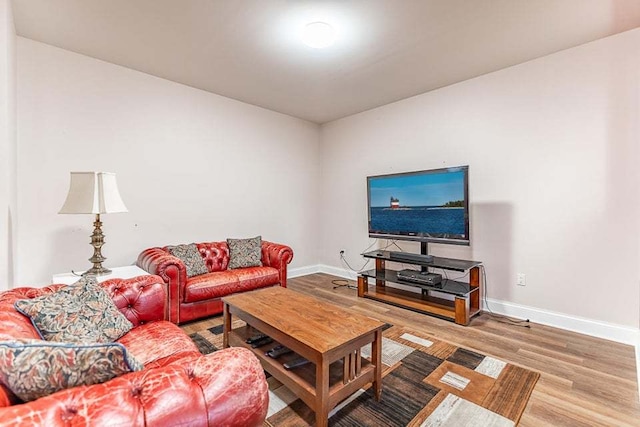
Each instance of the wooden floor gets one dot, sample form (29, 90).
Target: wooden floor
(584, 381)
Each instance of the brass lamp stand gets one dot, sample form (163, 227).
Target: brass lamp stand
(97, 240)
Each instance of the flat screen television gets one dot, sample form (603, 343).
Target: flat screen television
(424, 206)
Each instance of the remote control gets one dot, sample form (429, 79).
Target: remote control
(295, 363)
(255, 338)
(278, 351)
(263, 341)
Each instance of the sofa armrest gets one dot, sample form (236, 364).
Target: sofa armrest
(141, 299)
(159, 262)
(226, 388)
(234, 383)
(277, 256)
(172, 270)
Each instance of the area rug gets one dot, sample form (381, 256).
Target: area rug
(426, 383)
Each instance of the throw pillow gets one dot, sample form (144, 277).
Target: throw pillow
(190, 257)
(33, 368)
(245, 252)
(82, 312)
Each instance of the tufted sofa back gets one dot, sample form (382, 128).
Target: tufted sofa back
(142, 300)
(214, 254)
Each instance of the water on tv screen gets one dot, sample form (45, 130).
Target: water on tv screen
(429, 206)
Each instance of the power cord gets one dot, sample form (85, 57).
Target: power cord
(345, 262)
(393, 243)
(347, 284)
(343, 259)
(500, 317)
(343, 283)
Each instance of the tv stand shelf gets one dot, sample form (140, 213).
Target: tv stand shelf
(466, 296)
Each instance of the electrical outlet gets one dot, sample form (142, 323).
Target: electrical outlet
(521, 279)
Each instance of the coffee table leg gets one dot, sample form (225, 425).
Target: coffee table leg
(227, 326)
(322, 394)
(376, 357)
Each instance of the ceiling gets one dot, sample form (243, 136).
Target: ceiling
(386, 50)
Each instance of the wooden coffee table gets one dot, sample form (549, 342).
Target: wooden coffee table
(328, 336)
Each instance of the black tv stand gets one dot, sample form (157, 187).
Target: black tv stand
(410, 257)
(466, 296)
(419, 259)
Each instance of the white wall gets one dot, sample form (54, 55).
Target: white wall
(552, 145)
(191, 166)
(553, 148)
(7, 143)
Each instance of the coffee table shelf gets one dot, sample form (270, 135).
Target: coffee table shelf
(330, 337)
(301, 380)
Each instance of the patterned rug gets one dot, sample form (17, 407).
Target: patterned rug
(426, 383)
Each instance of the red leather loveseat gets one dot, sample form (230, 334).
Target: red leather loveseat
(200, 296)
(177, 386)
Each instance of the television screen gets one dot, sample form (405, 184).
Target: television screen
(425, 206)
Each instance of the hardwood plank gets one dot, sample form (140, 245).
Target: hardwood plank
(585, 381)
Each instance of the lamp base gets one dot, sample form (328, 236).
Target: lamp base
(96, 271)
(97, 240)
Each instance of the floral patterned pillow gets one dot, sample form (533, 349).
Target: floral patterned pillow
(245, 252)
(190, 257)
(33, 368)
(82, 312)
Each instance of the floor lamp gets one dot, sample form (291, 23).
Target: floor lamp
(94, 193)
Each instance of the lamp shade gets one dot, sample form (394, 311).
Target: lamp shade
(93, 193)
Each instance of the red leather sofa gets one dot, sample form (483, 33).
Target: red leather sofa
(200, 296)
(178, 385)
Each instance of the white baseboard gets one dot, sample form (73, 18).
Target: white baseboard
(340, 272)
(303, 271)
(596, 328)
(322, 268)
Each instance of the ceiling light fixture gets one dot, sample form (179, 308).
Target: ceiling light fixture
(319, 35)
